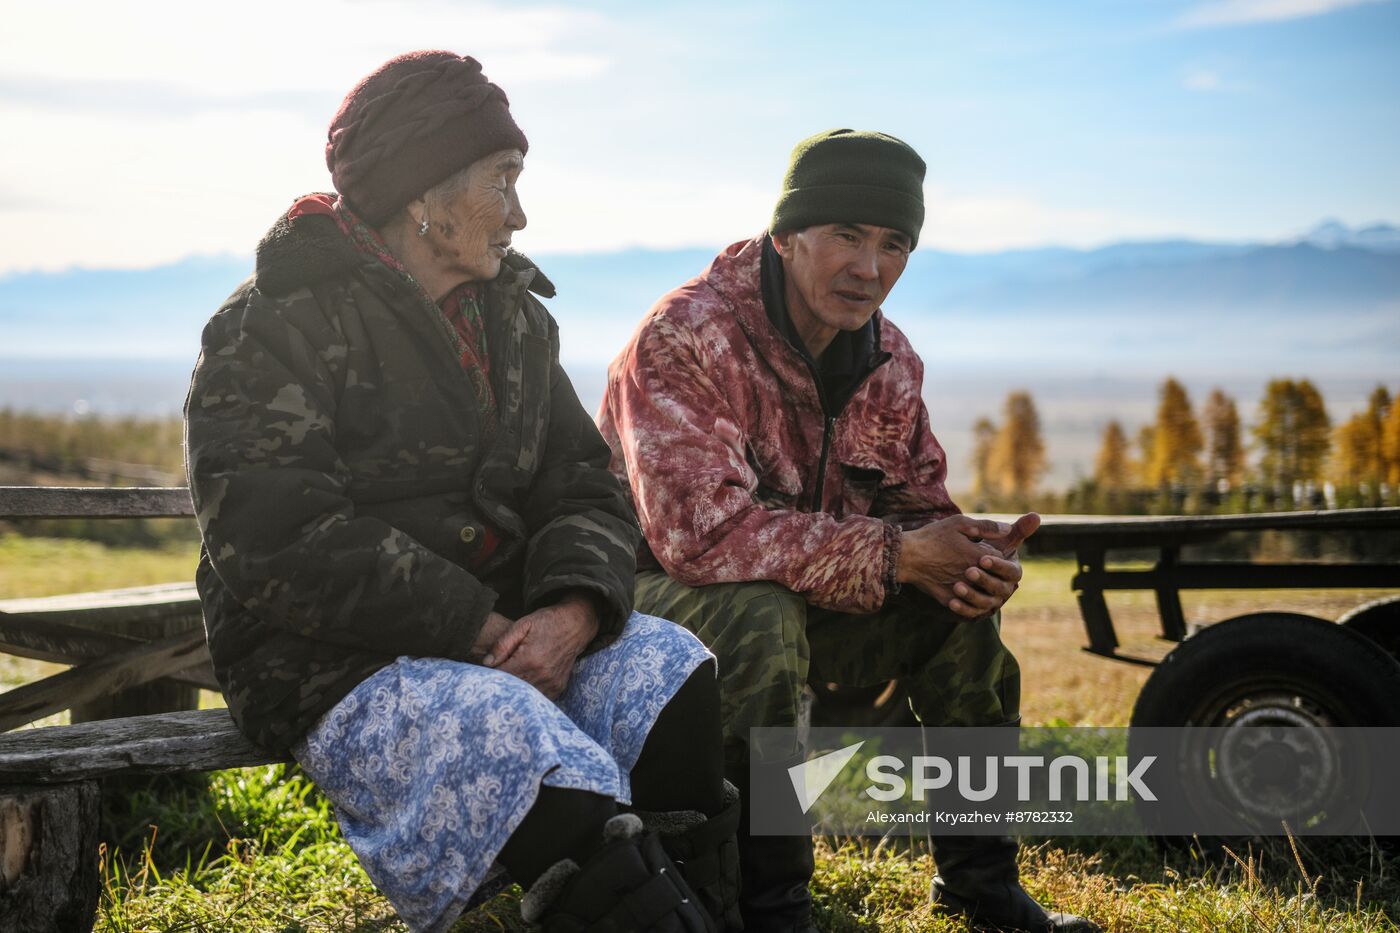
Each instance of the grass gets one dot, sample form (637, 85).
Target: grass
(50, 566)
(258, 850)
(34, 567)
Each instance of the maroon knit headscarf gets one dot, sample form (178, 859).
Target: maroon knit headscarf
(411, 123)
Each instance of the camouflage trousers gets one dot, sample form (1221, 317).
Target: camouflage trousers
(769, 643)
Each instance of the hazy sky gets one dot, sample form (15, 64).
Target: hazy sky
(138, 133)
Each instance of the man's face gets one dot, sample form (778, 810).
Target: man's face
(838, 275)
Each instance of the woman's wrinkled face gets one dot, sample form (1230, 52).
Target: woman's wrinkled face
(472, 217)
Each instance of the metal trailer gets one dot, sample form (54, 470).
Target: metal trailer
(1275, 666)
(1294, 711)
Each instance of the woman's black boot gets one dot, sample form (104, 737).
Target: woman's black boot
(707, 853)
(628, 885)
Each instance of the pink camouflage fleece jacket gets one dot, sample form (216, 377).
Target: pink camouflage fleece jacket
(717, 428)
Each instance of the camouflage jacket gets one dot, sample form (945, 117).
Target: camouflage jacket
(342, 492)
(716, 424)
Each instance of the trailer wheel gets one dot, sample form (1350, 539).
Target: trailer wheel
(1268, 682)
(1378, 620)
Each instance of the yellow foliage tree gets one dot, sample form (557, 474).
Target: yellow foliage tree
(1224, 449)
(1377, 411)
(1351, 451)
(1016, 461)
(1145, 439)
(1176, 439)
(1390, 445)
(1113, 468)
(1294, 432)
(983, 434)
(1358, 456)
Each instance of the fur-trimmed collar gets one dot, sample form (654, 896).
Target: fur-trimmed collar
(311, 249)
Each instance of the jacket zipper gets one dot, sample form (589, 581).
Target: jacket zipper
(775, 300)
(821, 463)
(829, 425)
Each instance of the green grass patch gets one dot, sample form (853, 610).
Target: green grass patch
(1126, 885)
(32, 567)
(258, 849)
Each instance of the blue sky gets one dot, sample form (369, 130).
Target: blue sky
(139, 133)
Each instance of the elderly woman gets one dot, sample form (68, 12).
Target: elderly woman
(417, 570)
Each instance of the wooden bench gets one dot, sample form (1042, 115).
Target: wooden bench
(50, 794)
(131, 650)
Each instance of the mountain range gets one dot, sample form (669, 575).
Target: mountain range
(1090, 331)
(1332, 273)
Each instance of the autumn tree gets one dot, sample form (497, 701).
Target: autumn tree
(1377, 410)
(1294, 432)
(1113, 468)
(1146, 438)
(1016, 460)
(1351, 451)
(1176, 438)
(1358, 456)
(983, 434)
(1390, 444)
(1224, 447)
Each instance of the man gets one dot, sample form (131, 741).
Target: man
(768, 422)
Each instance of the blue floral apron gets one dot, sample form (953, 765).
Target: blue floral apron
(431, 764)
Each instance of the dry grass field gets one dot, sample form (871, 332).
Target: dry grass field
(258, 850)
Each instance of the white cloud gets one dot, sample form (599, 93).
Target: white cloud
(574, 209)
(1238, 12)
(114, 191)
(995, 221)
(213, 183)
(1201, 79)
(259, 46)
(164, 129)
(157, 130)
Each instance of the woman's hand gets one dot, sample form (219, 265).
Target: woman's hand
(495, 626)
(540, 648)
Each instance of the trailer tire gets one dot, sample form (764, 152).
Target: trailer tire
(1273, 669)
(1341, 672)
(1378, 620)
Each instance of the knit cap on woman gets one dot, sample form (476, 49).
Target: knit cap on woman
(410, 124)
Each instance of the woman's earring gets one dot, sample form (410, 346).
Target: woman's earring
(423, 227)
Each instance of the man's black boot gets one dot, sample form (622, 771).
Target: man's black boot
(628, 885)
(776, 871)
(978, 878)
(706, 851)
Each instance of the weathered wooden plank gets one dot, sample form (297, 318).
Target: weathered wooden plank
(1068, 532)
(136, 665)
(68, 644)
(101, 608)
(95, 502)
(48, 858)
(174, 502)
(180, 595)
(196, 740)
(59, 644)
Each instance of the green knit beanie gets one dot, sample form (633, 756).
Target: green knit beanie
(853, 177)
